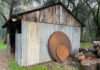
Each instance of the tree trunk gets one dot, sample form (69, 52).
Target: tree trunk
(10, 15)
(98, 67)
(98, 64)
(5, 40)
(88, 65)
(98, 32)
(90, 31)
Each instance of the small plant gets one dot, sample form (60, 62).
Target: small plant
(62, 68)
(14, 66)
(38, 68)
(57, 67)
(76, 68)
(3, 46)
(71, 68)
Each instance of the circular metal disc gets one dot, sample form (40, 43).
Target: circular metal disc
(62, 53)
(57, 39)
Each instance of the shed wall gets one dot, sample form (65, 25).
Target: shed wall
(46, 31)
(18, 49)
(21, 45)
(30, 44)
(35, 38)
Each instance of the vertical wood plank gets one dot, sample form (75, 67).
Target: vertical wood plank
(38, 16)
(71, 21)
(58, 14)
(61, 16)
(49, 15)
(24, 43)
(33, 43)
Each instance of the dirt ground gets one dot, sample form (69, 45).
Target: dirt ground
(3, 61)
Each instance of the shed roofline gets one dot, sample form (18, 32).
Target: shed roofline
(59, 3)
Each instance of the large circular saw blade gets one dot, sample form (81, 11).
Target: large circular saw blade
(59, 40)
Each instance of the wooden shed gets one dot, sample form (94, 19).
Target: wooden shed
(43, 34)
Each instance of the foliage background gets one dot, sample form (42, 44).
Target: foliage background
(87, 11)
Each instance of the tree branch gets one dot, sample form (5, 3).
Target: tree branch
(68, 3)
(3, 16)
(78, 6)
(5, 1)
(91, 9)
(97, 15)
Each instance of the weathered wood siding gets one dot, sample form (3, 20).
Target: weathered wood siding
(54, 15)
(33, 43)
(18, 49)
